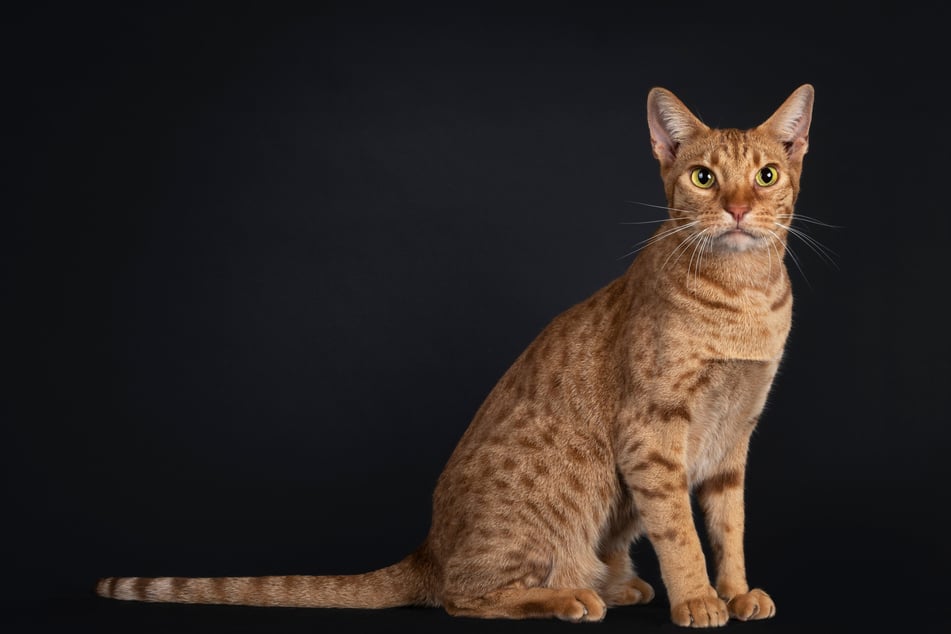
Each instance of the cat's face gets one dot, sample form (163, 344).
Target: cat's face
(736, 190)
(730, 190)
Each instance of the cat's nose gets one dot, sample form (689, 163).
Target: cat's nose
(737, 210)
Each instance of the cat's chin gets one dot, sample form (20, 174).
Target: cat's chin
(737, 240)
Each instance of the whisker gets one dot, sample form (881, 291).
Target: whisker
(703, 248)
(683, 247)
(824, 252)
(693, 255)
(769, 260)
(792, 256)
(644, 222)
(686, 240)
(643, 244)
(809, 219)
(664, 207)
(698, 249)
(669, 232)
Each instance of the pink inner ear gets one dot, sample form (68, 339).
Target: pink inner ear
(670, 122)
(797, 146)
(793, 129)
(790, 123)
(665, 152)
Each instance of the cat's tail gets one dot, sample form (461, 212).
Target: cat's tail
(408, 582)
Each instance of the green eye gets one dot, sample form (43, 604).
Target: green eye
(702, 177)
(767, 176)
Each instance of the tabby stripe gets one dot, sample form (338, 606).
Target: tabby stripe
(542, 517)
(107, 587)
(575, 483)
(559, 514)
(140, 587)
(702, 380)
(667, 413)
(569, 501)
(721, 288)
(655, 458)
(177, 587)
(634, 447)
(783, 300)
(720, 482)
(576, 455)
(715, 305)
(670, 534)
(650, 493)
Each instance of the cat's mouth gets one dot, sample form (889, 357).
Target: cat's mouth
(737, 239)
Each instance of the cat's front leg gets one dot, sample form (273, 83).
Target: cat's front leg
(655, 472)
(721, 498)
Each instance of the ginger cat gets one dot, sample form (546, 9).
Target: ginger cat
(621, 408)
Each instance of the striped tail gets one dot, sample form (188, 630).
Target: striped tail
(404, 583)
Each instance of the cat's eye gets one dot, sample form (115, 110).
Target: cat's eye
(767, 176)
(702, 177)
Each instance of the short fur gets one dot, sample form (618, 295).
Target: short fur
(604, 426)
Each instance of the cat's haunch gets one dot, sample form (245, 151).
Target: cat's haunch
(622, 408)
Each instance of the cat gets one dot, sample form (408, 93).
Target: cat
(622, 408)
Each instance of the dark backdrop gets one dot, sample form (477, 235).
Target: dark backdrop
(263, 264)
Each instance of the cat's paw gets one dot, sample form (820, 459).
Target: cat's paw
(631, 592)
(706, 611)
(580, 606)
(754, 604)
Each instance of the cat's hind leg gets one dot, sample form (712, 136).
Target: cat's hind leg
(545, 585)
(622, 586)
(571, 604)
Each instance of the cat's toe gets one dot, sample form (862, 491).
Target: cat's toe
(632, 592)
(752, 605)
(700, 612)
(593, 606)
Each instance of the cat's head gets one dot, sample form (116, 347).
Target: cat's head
(737, 187)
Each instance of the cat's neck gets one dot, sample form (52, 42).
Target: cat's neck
(732, 304)
(703, 269)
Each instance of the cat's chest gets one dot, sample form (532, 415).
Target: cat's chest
(724, 413)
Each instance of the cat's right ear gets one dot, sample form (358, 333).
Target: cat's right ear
(790, 123)
(671, 123)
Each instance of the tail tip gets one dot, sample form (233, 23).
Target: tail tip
(104, 587)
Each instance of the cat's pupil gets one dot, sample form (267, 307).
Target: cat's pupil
(703, 176)
(766, 175)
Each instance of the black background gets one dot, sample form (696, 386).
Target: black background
(263, 264)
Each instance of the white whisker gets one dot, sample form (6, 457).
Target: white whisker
(703, 248)
(644, 222)
(792, 256)
(664, 207)
(657, 238)
(698, 249)
(809, 219)
(683, 247)
(769, 259)
(817, 247)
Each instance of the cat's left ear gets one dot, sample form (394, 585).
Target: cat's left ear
(671, 123)
(790, 123)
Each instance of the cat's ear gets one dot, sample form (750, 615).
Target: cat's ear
(790, 123)
(671, 123)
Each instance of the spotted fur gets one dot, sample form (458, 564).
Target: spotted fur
(602, 429)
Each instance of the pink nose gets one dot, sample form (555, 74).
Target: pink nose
(738, 210)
